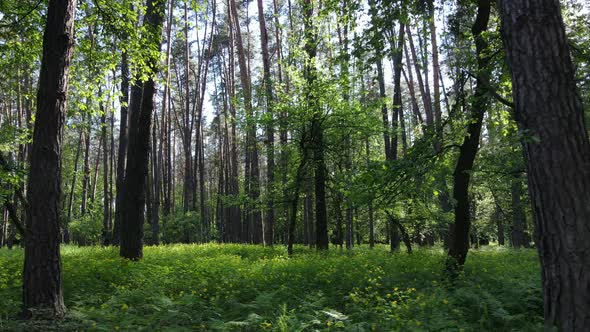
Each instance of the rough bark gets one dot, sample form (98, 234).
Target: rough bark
(548, 107)
(42, 290)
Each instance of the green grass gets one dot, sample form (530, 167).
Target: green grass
(250, 288)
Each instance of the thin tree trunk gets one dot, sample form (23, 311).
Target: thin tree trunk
(122, 150)
(86, 178)
(106, 224)
(517, 234)
(270, 136)
(425, 97)
(397, 94)
(73, 185)
(156, 171)
(410, 83)
(459, 244)
(252, 167)
(370, 205)
(435, 72)
(165, 144)
(95, 176)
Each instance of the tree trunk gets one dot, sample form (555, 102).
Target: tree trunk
(42, 290)
(86, 178)
(122, 150)
(317, 132)
(548, 107)
(459, 244)
(95, 174)
(235, 214)
(370, 205)
(187, 123)
(270, 152)
(106, 224)
(435, 73)
(497, 219)
(166, 123)
(134, 186)
(517, 233)
(397, 93)
(425, 97)
(252, 168)
(157, 185)
(73, 185)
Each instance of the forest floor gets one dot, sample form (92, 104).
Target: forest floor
(215, 287)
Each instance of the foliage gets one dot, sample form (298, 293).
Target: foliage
(87, 229)
(251, 288)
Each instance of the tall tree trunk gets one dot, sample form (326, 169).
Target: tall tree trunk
(86, 178)
(166, 125)
(370, 205)
(397, 93)
(270, 136)
(252, 168)
(157, 185)
(42, 290)
(106, 225)
(235, 214)
(409, 78)
(187, 123)
(317, 131)
(95, 174)
(299, 177)
(122, 150)
(548, 107)
(421, 84)
(73, 185)
(139, 140)
(459, 244)
(435, 72)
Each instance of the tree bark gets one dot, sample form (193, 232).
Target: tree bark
(106, 224)
(425, 97)
(122, 149)
(42, 289)
(134, 186)
(317, 132)
(459, 244)
(517, 236)
(86, 178)
(270, 152)
(548, 107)
(435, 73)
(252, 175)
(73, 185)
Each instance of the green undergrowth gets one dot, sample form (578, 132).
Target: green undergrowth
(215, 287)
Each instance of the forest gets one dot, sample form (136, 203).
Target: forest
(294, 165)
